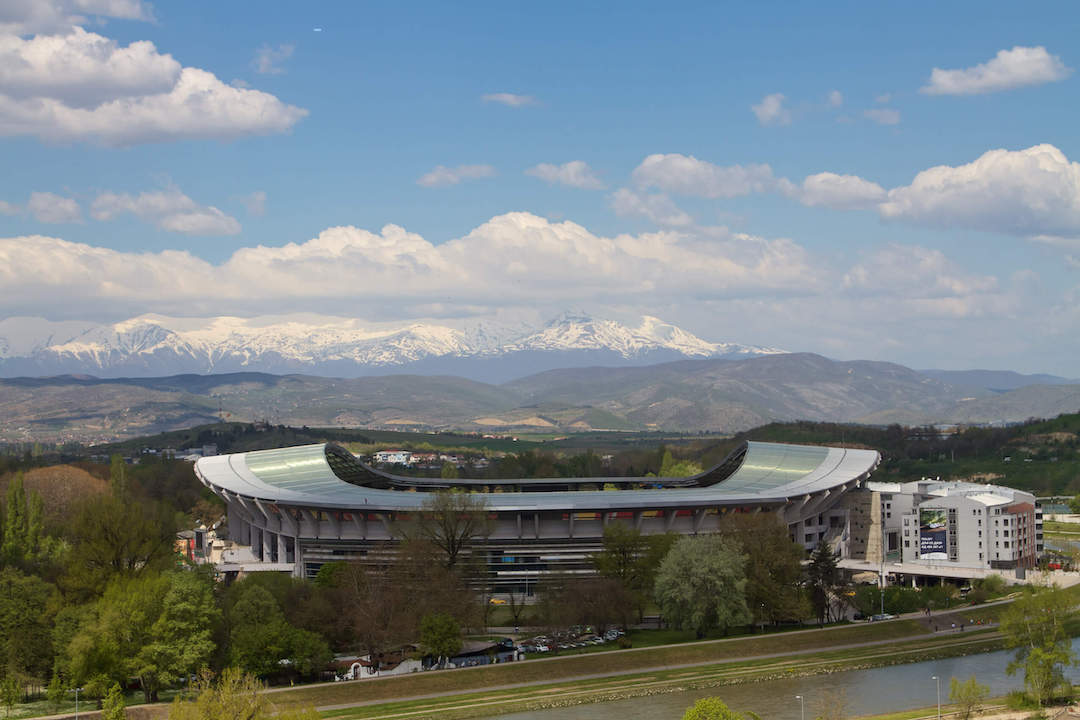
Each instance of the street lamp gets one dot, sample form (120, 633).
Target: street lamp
(935, 677)
(76, 691)
(802, 707)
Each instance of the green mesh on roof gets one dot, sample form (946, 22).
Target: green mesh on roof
(301, 468)
(768, 465)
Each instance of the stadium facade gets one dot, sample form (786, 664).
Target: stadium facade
(301, 507)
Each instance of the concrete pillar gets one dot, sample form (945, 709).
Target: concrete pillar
(281, 548)
(268, 543)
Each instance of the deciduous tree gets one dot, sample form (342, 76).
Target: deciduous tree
(968, 695)
(774, 571)
(1035, 626)
(449, 520)
(712, 708)
(701, 584)
(440, 635)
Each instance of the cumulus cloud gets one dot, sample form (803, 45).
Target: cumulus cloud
(575, 173)
(1026, 192)
(513, 259)
(658, 207)
(268, 59)
(771, 110)
(836, 98)
(883, 116)
(82, 69)
(1009, 69)
(687, 175)
(441, 176)
(47, 207)
(24, 17)
(7, 208)
(168, 209)
(81, 86)
(839, 192)
(509, 99)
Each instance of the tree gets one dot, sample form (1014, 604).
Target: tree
(258, 633)
(822, 576)
(233, 696)
(56, 692)
(711, 708)
(968, 695)
(10, 693)
(182, 634)
(774, 569)
(14, 537)
(449, 471)
(1035, 626)
(440, 634)
(25, 623)
(118, 476)
(449, 520)
(112, 707)
(380, 610)
(632, 559)
(701, 584)
(110, 540)
(832, 705)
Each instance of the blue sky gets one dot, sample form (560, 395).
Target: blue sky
(126, 186)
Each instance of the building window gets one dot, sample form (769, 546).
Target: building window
(1005, 522)
(888, 515)
(980, 543)
(1006, 543)
(907, 543)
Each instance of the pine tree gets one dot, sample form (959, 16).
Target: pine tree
(112, 707)
(12, 549)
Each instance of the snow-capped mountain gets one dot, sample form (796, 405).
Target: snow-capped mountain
(154, 345)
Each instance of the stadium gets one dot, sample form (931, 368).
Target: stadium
(301, 507)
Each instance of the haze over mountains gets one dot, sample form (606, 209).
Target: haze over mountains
(154, 346)
(711, 394)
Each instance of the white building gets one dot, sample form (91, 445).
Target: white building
(959, 524)
(394, 457)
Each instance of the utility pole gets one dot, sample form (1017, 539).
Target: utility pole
(935, 677)
(802, 707)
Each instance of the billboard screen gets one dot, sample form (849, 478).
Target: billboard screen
(933, 534)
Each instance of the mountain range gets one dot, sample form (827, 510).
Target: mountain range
(708, 394)
(154, 345)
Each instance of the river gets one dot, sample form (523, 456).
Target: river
(879, 690)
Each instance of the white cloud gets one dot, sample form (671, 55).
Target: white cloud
(7, 208)
(771, 110)
(575, 173)
(836, 98)
(883, 98)
(509, 99)
(169, 210)
(268, 60)
(81, 86)
(513, 259)
(25, 17)
(1026, 192)
(839, 192)
(1009, 69)
(441, 176)
(255, 203)
(82, 69)
(47, 207)
(687, 175)
(658, 208)
(915, 272)
(883, 116)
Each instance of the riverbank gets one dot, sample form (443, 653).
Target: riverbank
(585, 690)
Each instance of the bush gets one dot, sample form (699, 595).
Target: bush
(625, 642)
(978, 596)
(1019, 700)
(992, 584)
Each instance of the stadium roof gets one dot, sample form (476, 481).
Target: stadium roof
(328, 476)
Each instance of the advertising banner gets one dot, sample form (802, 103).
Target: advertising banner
(933, 535)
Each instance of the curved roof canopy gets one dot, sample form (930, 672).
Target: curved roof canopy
(328, 476)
